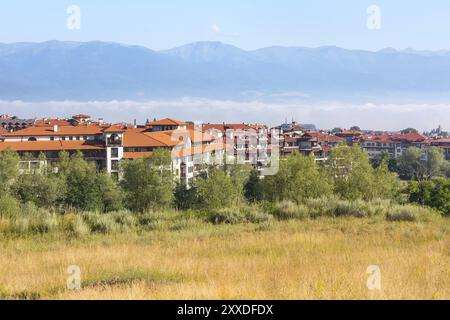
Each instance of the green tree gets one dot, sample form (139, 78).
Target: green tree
(434, 193)
(435, 163)
(386, 183)
(409, 130)
(186, 197)
(298, 179)
(148, 182)
(217, 190)
(9, 169)
(41, 189)
(253, 187)
(410, 165)
(352, 173)
(355, 128)
(112, 195)
(82, 188)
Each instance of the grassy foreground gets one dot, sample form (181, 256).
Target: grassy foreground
(325, 258)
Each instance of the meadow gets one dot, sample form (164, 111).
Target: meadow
(309, 258)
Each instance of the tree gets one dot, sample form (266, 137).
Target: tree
(435, 163)
(434, 193)
(412, 165)
(253, 187)
(82, 188)
(409, 130)
(148, 182)
(299, 178)
(355, 128)
(217, 190)
(41, 189)
(352, 173)
(112, 196)
(186, 198)
(386, 183)
(9, 169)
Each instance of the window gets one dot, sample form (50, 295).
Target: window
(32, 139)
(70, 138)
(52, 138)
(114, 152)
(115, 165)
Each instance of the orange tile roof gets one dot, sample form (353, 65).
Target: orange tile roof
(51, 122)
(51, 145)
(198, 150)
(62, 131)
(136, 155)
(166, 122)
(115, 128)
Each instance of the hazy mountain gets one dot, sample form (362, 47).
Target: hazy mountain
(99, 70)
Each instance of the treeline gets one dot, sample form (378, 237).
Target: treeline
(347, 178)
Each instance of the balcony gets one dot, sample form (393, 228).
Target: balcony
(114, 140)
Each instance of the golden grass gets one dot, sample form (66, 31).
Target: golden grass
(312, 259)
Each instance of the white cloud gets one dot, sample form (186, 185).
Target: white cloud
(215, 29)
(376, 116)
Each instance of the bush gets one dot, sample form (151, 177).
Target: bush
(325, 206)
(74, 226)
(9, 206)
(356, 209)
(410, 213)
(101, 223)
(226, 216)
(43, 223)
(125, 219)
(152, 221)
(287, 210)
(254, 214)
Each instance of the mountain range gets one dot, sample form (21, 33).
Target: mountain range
(57, 70)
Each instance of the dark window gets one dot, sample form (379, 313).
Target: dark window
(115, 165)
(114, 152)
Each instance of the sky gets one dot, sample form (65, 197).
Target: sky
(248, 24)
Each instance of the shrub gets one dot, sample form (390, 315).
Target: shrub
(356, 209)
(101, 223)
(226, 216)
(289, 210)
(152, 221)
(410, 213)
(254, 214)
(43, 223)
(74, 226)
(325, 206)
(9, 206)
(125, 219)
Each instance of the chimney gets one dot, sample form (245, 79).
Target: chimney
(55, 128)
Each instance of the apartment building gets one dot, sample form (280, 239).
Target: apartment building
(248, 143)
(107, 145)
(317, 143)
(392, 144)
(444, 144)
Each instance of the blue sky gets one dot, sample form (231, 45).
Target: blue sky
(248, 24)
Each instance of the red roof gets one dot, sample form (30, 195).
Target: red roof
(58, 145)
(166, 122)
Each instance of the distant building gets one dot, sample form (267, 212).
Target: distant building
(106, 145)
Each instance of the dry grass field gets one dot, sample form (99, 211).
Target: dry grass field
(311, 259)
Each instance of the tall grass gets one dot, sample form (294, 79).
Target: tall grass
(22, 219)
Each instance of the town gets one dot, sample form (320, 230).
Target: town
(39, 141)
